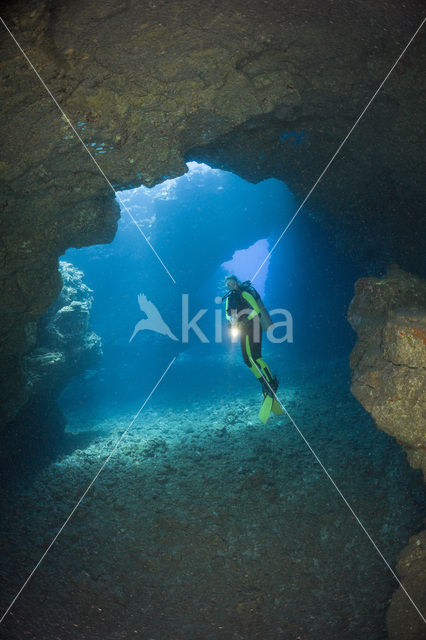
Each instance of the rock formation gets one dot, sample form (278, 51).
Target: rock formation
(65, 344)
(389, 359)
(402, 621)
(388, 366)
(65, 347)
(267, 89)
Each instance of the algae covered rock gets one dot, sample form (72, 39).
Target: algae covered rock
(389, 359)
(66, 346)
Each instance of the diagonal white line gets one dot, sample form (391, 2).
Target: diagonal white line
(87, 149)
(343, 498)
(340, 146)
(98, 473)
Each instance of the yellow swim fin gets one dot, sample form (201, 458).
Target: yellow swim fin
(266, 408)
(276, 408)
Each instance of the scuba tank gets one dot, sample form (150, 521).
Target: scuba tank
(265, 318)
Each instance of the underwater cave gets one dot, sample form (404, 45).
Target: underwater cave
(170, 173)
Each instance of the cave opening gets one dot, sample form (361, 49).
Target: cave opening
(243, 261)
(204, 225)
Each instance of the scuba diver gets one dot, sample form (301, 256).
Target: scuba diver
(247, 316)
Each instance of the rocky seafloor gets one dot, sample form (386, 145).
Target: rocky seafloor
(207, 524)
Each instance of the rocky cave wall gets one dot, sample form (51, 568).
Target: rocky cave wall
(388, 366)
(389, 359)
(265, 88)
(65, 346)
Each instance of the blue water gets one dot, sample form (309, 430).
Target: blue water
(203, 226)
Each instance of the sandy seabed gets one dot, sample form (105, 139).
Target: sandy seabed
(207, 524)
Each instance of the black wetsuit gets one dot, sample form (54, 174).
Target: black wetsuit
(242, 308)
